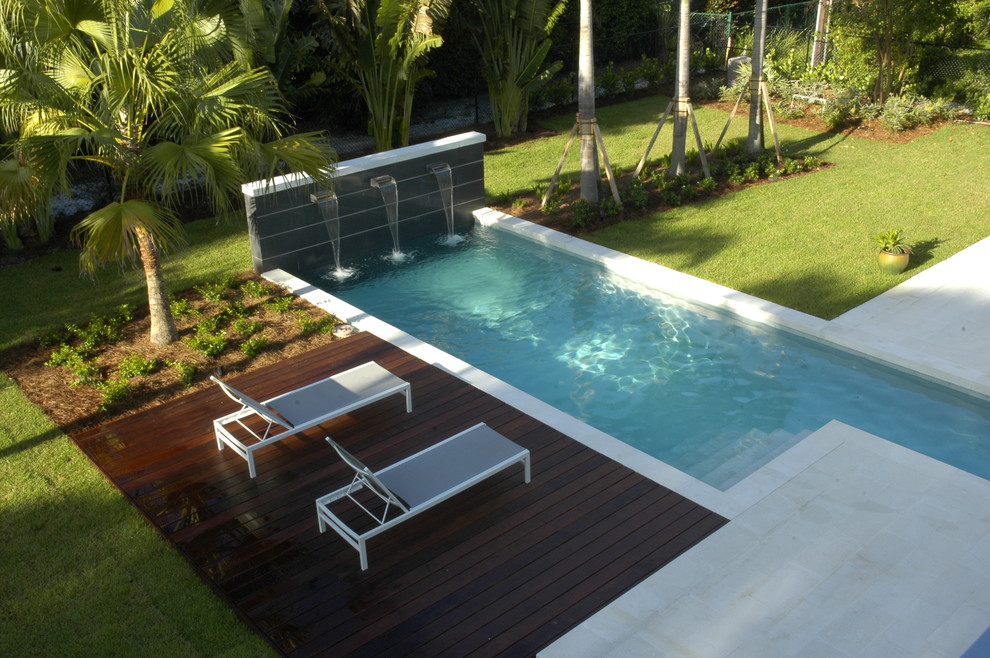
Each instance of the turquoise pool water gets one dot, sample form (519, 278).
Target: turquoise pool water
(698, 389)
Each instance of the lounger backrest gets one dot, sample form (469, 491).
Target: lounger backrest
(252, 404)
(370, 479)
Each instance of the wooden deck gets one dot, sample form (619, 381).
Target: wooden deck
(503, 569)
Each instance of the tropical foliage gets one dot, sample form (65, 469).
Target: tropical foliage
(895, 28)
(513, 39)
(154, 93)
(382, 45)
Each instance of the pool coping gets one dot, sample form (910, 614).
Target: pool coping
(736, 499)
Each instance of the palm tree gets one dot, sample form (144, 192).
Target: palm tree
(678, 151)
(586, 107)
(513, 38)
(383, 43)
(754, 142)
(151, 91)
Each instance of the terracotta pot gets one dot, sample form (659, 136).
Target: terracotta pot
(893, 263)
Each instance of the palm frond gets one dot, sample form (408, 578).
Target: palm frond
(110, 234)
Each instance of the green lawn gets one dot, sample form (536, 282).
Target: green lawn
(803, 242)
(85, 575)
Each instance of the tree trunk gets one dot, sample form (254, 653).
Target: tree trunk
(678, 151)
(586, 107)
(163, 329)
(821, 33)
(754, 143)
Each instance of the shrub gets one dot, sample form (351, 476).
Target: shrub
(208, 344)
(181, 306)
(609, 207)
(135, 365)
(309, 326)
(52, 336)
(247, 327)
(233, 310)
(255, 288)
(707, 185)
(216, 291)
(208, 325)
(609, 80)
(253, 346)
(113, 390)
(187, 371)
(279, 304)
(636, 194)
(649, 69)
(582, 213)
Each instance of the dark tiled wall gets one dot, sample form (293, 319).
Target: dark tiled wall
(287, 230)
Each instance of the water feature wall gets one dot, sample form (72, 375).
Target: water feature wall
(288, 222)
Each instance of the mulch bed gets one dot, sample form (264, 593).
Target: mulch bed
(74, 408)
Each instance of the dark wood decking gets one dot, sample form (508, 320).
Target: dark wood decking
(504, 568)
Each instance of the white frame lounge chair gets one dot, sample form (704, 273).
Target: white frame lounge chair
(298, 410)
(420, 481)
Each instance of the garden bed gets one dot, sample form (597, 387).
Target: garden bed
(290, 327)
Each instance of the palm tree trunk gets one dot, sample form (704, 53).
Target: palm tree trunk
(163, 329)
(754, 143)
(586, 107)
(678, 150)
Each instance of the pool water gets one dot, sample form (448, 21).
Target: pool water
(704, 392)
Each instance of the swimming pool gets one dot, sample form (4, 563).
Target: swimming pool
(700, 390)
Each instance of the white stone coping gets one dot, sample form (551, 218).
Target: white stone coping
(729, 503)
(367, 162)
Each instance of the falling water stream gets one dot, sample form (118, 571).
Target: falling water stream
(326, 201)
(444, 180)
(390, 195)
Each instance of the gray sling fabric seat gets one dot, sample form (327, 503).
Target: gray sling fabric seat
(259, 424)
(419, 481)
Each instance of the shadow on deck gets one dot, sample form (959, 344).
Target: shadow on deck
(503, 568)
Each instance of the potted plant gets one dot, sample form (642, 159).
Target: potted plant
(894, 251)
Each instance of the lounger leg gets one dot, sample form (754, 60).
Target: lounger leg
(526, 468)
(363, 550)
(250, 460)
(409, 399)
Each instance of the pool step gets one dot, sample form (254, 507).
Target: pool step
(730, 457)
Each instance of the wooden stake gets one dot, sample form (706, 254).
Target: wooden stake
(656, 133)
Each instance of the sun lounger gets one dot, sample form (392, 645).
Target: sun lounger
(418, 482)
(259, 424)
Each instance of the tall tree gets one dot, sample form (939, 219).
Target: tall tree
(383, 44)
(586, 107)
(895, 27)
(754, 141)
(678, 150)
(151, 91)
(513, 39)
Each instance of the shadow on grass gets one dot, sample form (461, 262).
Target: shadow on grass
(698, 245)
(31, 443)
(923, 251)
(825, 141)
(820, 295)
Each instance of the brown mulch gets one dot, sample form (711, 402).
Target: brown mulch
(812, 120)
(74, 408)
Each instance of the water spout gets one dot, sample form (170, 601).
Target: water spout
(326, 201)
(445, 181)
(390, 195)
